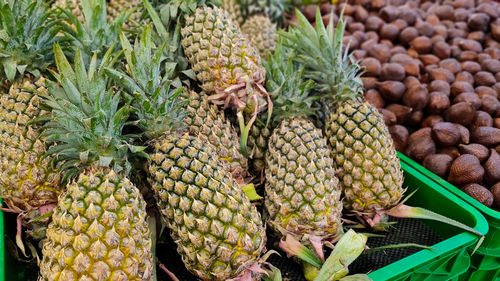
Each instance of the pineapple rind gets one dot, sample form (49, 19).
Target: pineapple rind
(27, 179)
(262, 34)
(204, 118)
(74, 6)
(115, 7)
(367, 165)
(302, 191)
(233, 9)
(98, 231)
(258, 139)
(218, 231)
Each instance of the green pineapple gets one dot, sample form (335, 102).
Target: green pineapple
(117, 7)
(72, 5)
(27, 181)
(205, 118)
(99, 229)
(302, 193)
(233, 9)
(258, 139)
(273, 9)
(219, 233)
(261, 33)
(367, 166)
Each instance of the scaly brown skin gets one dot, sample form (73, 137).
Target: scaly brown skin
(219, 233)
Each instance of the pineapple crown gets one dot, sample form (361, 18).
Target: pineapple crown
(174, 11)
(274, 9)
(175, 65)
(156, 105)
(86, 121)
(320, 50)
(95, 33)
(287, 88)
(27, 34)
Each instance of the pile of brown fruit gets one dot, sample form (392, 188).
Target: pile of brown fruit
(432, 68)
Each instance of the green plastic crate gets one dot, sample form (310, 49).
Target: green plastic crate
(449, 259)
(485, 266)
(2, 247)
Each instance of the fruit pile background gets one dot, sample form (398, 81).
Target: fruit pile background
(432, 68)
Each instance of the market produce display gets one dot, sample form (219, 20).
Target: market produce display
(236, 129)
(432, 69)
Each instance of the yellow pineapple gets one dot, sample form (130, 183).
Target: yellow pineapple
(99, 229)
(219, 233)
(28, 181)
(367, 166)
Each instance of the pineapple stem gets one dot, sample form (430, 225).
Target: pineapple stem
(245, 129)
(169, 273)
(19, 237)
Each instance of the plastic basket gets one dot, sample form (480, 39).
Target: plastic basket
(487, 265)
(2, 247)
(447, 260)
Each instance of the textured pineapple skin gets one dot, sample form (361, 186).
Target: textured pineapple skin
(115, 7)
(233, 10)
(367, 165)
(206, 119)
(271, 8)
(218, 232)
(98, 231)
(27, 179)
(262, 34)
(257, 146)
(221, 56)
(72, 5)
(302, 192)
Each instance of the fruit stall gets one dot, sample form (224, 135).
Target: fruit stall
(298, 140)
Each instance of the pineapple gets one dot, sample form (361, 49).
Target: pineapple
(72, 5)
(28, 181)
(273, 9)
(204, 118)
(257, 142)
(226, 65)
(233, 9)
(219, 233)
(302, 193)
(116, 7)
(262, 34)
(366, 162)
(99, 229)
(223, 62)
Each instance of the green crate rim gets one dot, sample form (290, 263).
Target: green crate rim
(451, 187)
(2, 247)
(492, 216)
(445, 247)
